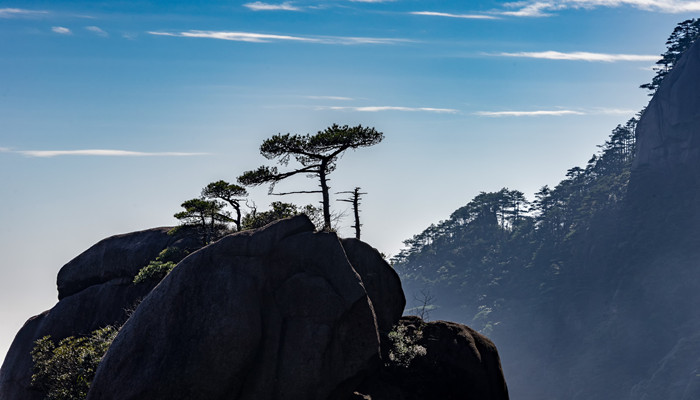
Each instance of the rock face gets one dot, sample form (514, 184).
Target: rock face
(666, 170)
(669, 132)
(275, 313)
(381, 284)
(95, 290)
(117, 257)
(459, 363)
(287, 317)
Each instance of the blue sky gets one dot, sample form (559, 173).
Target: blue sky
(113, 113)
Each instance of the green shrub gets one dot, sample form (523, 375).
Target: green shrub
(173, 254)
(155, 270)
(404, 346)
(162, 265)
(64, 372)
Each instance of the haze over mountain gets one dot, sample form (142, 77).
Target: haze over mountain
(590, 291)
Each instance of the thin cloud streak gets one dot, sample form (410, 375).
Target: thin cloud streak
(391, 108)
(97, 30)
(556, 113)
(449, 15)
(235, 36)
(581, 56)
(102, 153)
(614, 111)
(61, 30)
(260, 6)
(544, 8)
(339, 98)
(267, 38)
(19, 12)
(535, 9)
(538, 113)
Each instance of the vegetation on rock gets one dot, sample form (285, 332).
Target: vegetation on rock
(678, 42)
(161, 266)
(64, 371)
(403, 345)
(317, 155)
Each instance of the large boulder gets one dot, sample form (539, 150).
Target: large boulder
(277, 313)
(93, 308)
(95, 290)
(458, 363)
(118, 257)
(382, 284)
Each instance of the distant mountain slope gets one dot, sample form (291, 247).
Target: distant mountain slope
(591, 290)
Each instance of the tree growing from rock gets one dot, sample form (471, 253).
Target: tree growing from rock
(682, 37)
(317, 154)
(228, 192)
(279, 210)
(207, 216)
(354, 198)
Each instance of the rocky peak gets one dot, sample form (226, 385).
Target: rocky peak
(668, 134)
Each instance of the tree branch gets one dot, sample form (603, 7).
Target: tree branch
(299, 192)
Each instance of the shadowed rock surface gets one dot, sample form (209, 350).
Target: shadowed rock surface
(459, 363)
(381, 283)
(118, 257)
(668, 132)
(95, 290)
(273, 314)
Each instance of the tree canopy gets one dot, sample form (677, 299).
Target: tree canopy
(228, 192)
(682, 37)
(207, 216)
(317, 154)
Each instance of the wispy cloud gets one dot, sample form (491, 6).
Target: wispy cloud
(613, 111)
(19, 12)
(339, 98)
(390, 108)
(538, 8)
(267, 38)
(97, 30)
(449, 15)
(102, 153)
(556, 112)
(372, 1)
(538, 113)
(236, 36)
(260, 6)
(4, 150)
(580, 56)
(61, 30)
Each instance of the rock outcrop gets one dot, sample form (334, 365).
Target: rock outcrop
(95, 290)
(281, 312)
(669, 131)
(664, 185)
(275, 314)
(118, 257)
(459, 363)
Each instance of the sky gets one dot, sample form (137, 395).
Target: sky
(114, 113)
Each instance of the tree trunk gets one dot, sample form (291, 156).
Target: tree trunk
(326, 197)
(237, 207)
(356, 208)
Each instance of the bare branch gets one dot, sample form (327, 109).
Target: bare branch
(297, 192)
